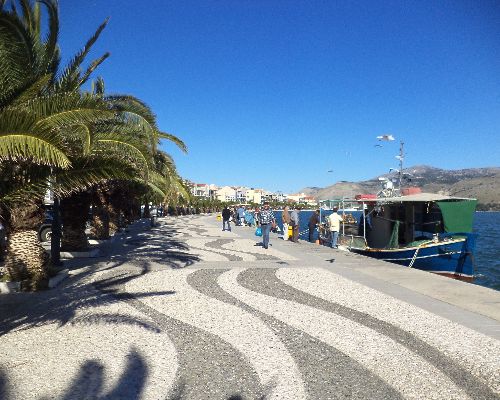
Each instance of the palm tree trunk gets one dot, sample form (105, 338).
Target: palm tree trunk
(26, 258)
(101, 215)
(75, 212)
(147, 213)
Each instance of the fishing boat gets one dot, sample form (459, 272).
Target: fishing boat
(427, 231)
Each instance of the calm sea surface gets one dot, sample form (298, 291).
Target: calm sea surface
(486, 225)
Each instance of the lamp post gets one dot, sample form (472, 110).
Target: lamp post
(55, 237)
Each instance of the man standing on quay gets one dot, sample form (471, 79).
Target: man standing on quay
(266, 219)
(295, 222)
(313, 221)
(226, 214)
(286, 221)
(334, 220)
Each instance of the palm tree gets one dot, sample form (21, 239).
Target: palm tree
(51, 135)
(154, 170)
(34, 109)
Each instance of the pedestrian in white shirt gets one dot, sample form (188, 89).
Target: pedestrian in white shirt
(334, 220)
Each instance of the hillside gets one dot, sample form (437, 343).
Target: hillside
(480, 183)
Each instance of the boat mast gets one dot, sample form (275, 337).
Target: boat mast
(401, 158)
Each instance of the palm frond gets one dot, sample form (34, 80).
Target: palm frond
(28, 14)
(29, 147)
(18, 56)
(64, 183)
(32, 91)
(93, 65)
(98, 86)
(155, 192)
(51, 53)
(123, 150)
(70, 75)
(174, 139)
(133, 105)
(71, 117)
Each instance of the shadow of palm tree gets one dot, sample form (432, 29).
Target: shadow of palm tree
(136, 256)
(84, 289)
(89, 383)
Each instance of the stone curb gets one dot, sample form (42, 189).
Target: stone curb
(55, 280)
(80, 254)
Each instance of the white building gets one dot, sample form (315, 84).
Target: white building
(241, 196)
(302, 198)
(226, 194)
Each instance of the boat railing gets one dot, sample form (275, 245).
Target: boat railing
(352, 241)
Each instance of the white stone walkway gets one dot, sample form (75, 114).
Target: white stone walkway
(186, 311)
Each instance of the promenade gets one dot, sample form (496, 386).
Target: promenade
(187, 311)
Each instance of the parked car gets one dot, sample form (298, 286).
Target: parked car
(45, 230)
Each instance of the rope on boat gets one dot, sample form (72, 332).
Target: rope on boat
(414, 257)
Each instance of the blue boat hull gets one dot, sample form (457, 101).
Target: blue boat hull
(454, 257)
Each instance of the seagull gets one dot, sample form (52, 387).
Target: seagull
(387, 138)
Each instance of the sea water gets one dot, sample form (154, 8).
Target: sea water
(487, 254)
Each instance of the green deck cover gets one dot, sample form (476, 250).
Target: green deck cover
(457, 215)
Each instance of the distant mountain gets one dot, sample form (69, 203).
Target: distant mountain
(311, 189)
(480, 183)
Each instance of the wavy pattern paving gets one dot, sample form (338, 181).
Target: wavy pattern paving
(298, 344)
(246, 333)
(149, 328)
(327, 373)
(478, 353)
(80, 365)
(267, 282)
(386, 358)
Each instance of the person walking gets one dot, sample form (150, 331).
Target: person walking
(334, 220)
(295, 221)
(286, 222)
(313, 221)
(266, 219)
(226, 215)
(241, 215)
(256, 216)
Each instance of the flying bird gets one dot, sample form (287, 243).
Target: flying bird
(330, 170)
(387, 138)
(377, 145)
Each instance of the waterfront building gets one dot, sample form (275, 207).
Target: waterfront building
(302, 198)
(254, 195)
(226, 194)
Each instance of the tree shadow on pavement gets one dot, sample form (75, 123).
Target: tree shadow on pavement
(89, 383)
(98, 282)
(101, 282)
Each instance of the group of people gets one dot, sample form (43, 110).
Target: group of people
(240, 216)
(333, 223)
(266, 220)
(291, 219)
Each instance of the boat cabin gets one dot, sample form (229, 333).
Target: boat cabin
(402, 221)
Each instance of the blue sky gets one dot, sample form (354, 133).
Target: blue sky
(274, 94)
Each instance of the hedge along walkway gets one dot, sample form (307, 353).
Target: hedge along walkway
(186, 311)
